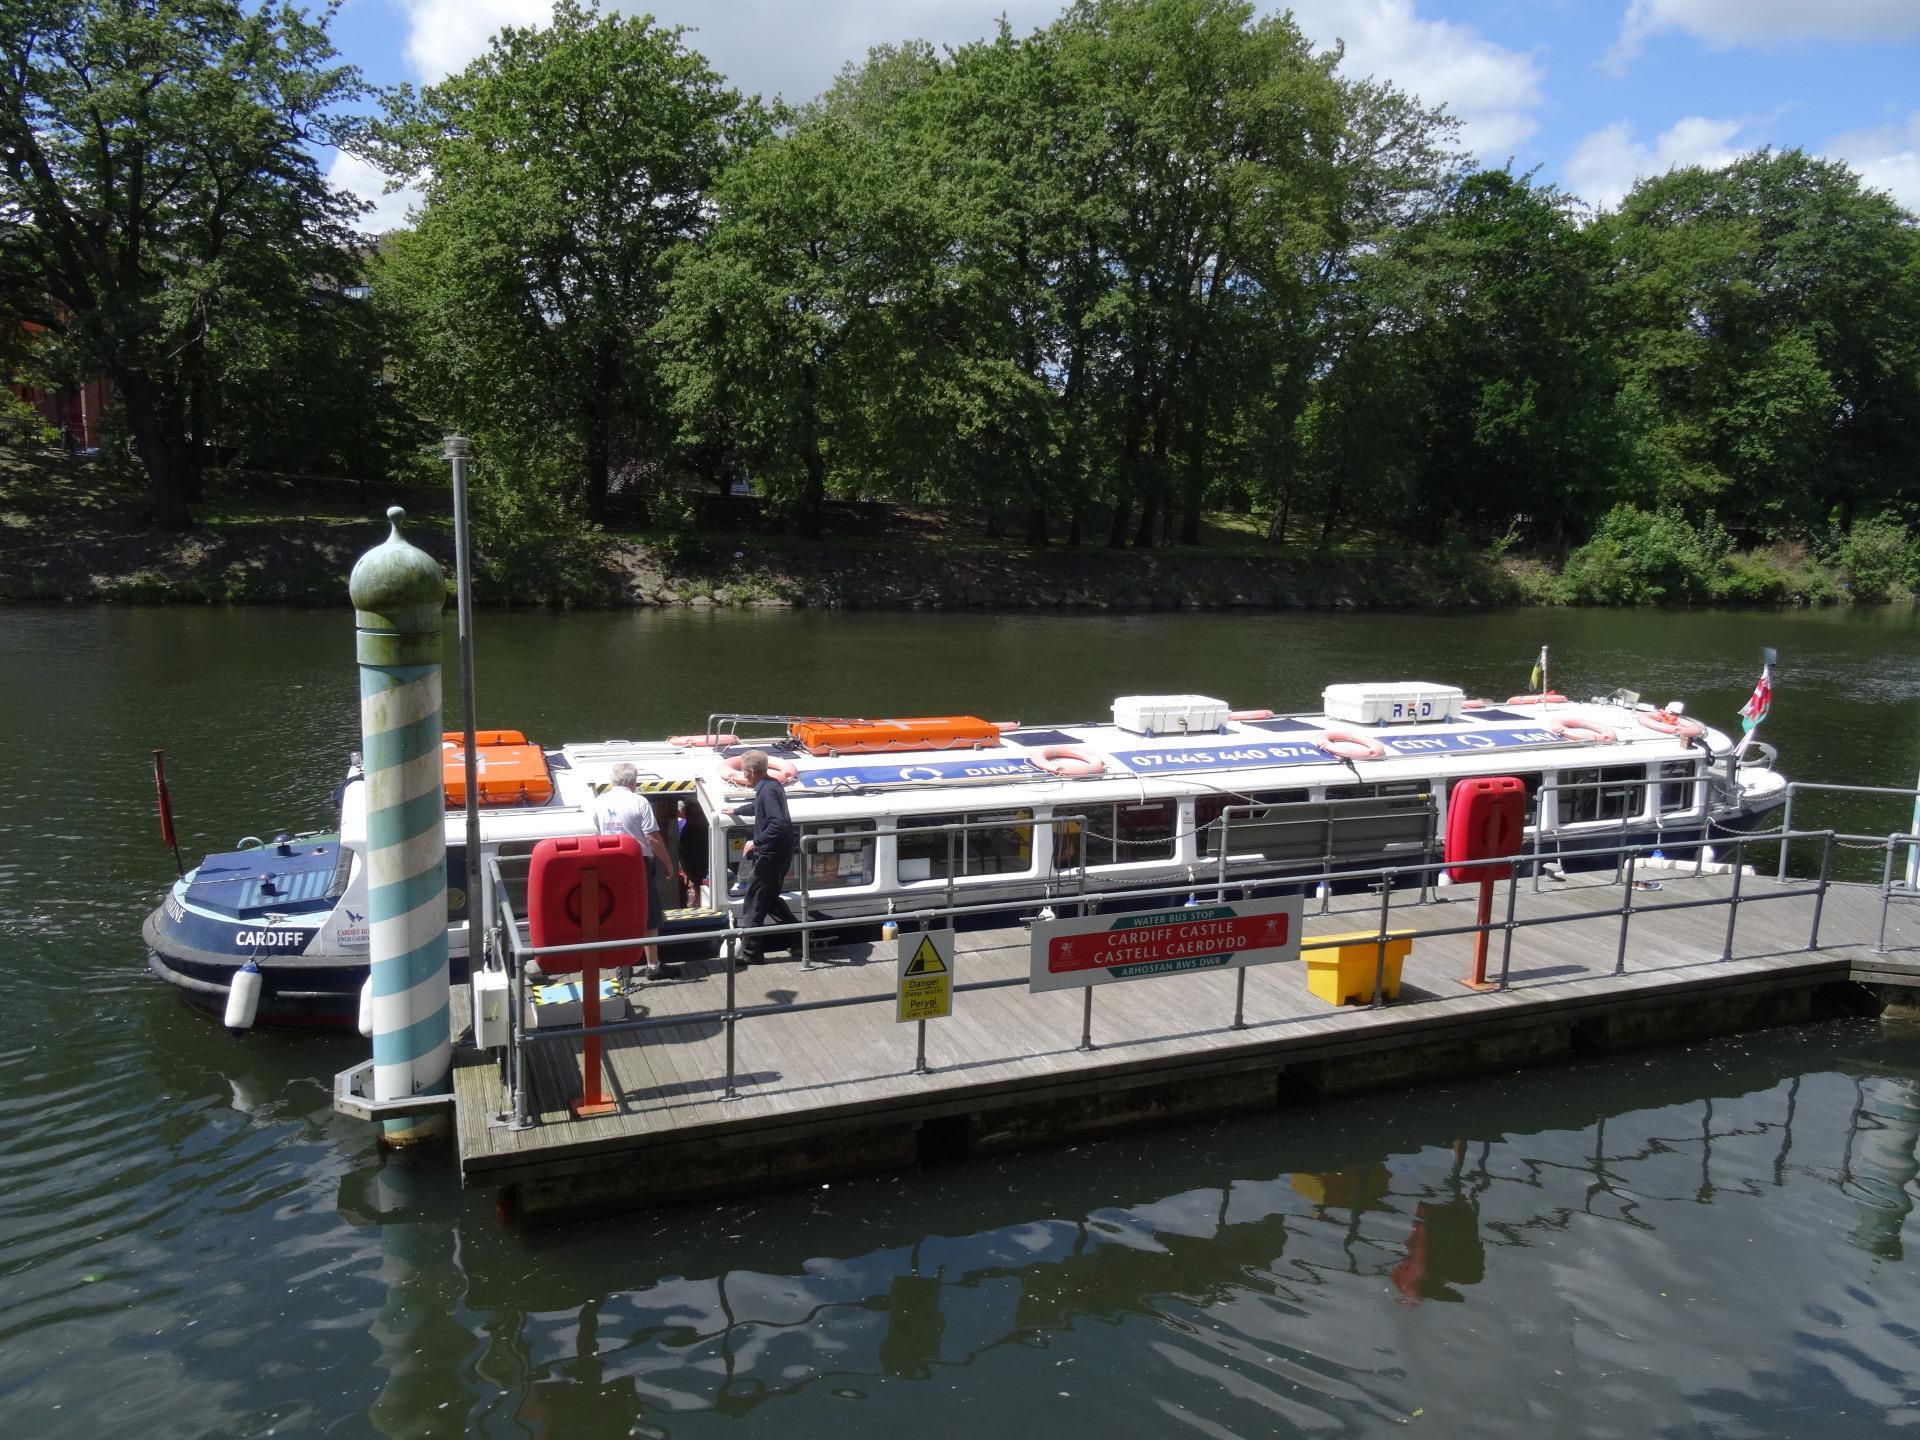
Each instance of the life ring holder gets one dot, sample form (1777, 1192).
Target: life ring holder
(1070, 762)
(1365, 747)
(703, 742)
(1668, 723)
(1584, 730)
(1546, 697)
(735, 774)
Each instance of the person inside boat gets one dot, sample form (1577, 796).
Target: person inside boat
(622, 811)
(770, 852)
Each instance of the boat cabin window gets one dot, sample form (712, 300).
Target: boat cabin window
(1615, 793)
(1681, 796)
(837, 856)
(1251, 831)
(1113, 834)
(1000, 847)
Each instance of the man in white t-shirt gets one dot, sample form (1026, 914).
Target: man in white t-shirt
(624, 811)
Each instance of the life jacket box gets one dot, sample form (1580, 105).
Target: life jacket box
(1400, 702)
(1169, 714)
(556, 1005)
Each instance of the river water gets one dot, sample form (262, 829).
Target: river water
(1700, 1241)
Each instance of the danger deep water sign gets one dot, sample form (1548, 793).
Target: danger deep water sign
(1095, 949)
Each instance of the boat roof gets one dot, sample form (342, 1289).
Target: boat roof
(1245, 756)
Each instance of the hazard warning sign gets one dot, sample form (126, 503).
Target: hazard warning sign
(926, 976)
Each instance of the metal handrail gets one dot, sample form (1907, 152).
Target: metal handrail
(510, 943)
(1795, 787)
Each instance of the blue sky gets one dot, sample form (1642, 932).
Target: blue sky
(1591, 93)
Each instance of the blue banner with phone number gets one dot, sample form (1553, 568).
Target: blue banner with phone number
(1248, 755)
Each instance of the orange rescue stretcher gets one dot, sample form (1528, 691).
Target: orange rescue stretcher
(509, 770)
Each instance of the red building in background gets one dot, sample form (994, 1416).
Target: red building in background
(75, 411)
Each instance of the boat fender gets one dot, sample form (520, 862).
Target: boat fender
(243, 998)
(703, 742)
(1668, 723)
(1549, 697)
(1349, 746)
(248, 842)
(735, 774)
(1475, 704)
(366, 1007)
(1070, 762)
(1006, 727)
(1584, 730)
(1249, 714)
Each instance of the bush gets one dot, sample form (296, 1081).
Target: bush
(1876, 559)
(1640, 557)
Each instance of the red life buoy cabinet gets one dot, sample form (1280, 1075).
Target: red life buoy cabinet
(1486, 820)
(554, 899)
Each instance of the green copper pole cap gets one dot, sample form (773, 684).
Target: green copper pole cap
(398, 587)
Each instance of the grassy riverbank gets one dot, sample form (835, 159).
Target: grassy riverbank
(77, 531)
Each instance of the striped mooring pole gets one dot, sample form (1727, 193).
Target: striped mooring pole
(398, 593)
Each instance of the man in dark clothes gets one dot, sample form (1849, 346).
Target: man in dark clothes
(770, 852)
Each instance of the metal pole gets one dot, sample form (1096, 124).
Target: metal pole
(1733, 901)
(1506, 937)
(920, 1051)
(1886, 897)
(1380, 947)
(1820, 895)
(1626, 917)
(1786, 829)
(1086, 1020)
(733, 970)
(1239, 999)
(458, 452)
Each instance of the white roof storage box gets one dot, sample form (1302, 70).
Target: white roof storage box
(1169, 714)
(1394, 702)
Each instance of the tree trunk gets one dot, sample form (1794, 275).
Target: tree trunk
(1037, 525)
(1073, 530)
(813, 500)
(1277, 527)
(1117, 536)
(1149, 515)
(593, 484)
(166, 459)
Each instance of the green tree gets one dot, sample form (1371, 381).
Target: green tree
(161, 207)
(1516, 409)
(561, 170)
(1768, 335)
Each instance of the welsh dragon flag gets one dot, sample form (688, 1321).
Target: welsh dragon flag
(1761, 701)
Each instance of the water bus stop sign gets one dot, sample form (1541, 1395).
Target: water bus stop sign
(926, 976)
(1215, 935)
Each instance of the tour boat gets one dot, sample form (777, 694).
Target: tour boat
(898, 816)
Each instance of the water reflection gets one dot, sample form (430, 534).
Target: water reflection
(1680, 1253)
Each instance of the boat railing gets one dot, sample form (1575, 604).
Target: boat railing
(513, 946)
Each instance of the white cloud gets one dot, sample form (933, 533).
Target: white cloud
(1887, 158)
(357, 177)
(779, 47)
(443, 35)
(1492, 90)
(1605, 165)
(1764, 22)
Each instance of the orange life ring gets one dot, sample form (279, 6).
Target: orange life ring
(1006, 727)
(1584, 730)
(1366, 747)
(1667, 723)
(1070, 762)
(735, 774)
(703, 742)
(1550, 697)
(1250, 715)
